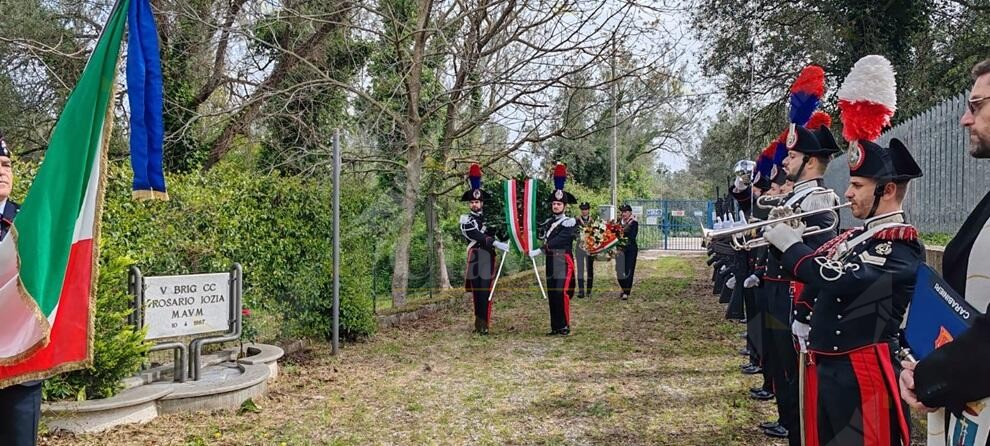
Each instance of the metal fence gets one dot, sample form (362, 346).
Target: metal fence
(953, 183)
(671, 224)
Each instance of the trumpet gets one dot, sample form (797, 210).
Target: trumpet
(745, 237)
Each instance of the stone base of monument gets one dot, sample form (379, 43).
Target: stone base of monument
(225, 383)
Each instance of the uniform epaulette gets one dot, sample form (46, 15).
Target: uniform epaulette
(568, 222)
(465, 219)
(906, 232)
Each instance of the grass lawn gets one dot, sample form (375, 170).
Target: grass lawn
(661, 368)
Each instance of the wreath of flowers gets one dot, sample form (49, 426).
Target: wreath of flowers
(601, 238)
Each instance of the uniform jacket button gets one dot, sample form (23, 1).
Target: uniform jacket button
(838, 316)
(838, 299)
(838, 332)
(835, 348)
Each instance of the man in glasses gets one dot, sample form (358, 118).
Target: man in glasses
(957, 372)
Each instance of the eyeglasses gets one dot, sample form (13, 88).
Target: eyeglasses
(973, 102)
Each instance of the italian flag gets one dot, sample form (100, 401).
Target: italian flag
(48, 260)
(522, 227)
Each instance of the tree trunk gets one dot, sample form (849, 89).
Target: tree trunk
(242, 120)
(439, 259)
(400, 275)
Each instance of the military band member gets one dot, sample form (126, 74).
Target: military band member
(957, 372)
(863, 281)
(756, 301)
(480, 270)
(808, 155)
(774, 291)
(558, 242)
(625, 261)
(585, 262)
(20, 404)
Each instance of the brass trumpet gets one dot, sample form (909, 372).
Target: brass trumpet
(745, 237)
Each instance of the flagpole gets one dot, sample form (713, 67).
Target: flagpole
(497, 275)
(538, 281)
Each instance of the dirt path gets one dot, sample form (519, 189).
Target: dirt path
(660, 368)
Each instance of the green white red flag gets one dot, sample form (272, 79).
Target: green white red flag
(521, 220)
(48, 260)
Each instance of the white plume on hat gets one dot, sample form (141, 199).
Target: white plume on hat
(871, 79)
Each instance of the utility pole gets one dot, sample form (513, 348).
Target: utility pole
(335, 333)
(615, 134)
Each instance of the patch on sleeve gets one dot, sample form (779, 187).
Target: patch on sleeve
(871, 259)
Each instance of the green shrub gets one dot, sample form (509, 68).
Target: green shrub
(936, 238)
(278, 228)
(118, 349)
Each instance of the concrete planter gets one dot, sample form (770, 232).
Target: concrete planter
(225, 383)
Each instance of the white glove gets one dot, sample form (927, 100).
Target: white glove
(801, 331)
(751, 281)
(535, 252)
(783, 236)
(731, 282)
(739, 185)
(501, 246)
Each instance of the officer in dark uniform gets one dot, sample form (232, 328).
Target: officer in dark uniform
(808, 155)
(774, 293)
(481, 248)
(558, 242)
(625, 261)
(20, 404)
(585, 262)
(755, 301)
(863, 280)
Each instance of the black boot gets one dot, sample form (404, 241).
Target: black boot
(477, 324)
(484, 327)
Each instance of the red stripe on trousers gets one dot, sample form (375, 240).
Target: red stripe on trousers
(888, 373)
(874, 401)
(810, 404)
(491, 304)
(567, 286)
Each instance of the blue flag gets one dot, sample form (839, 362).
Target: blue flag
(144, 91)
(937, 315)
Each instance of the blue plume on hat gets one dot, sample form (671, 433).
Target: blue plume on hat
(806, 92)
(559, 176)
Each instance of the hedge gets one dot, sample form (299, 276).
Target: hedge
(278, 228)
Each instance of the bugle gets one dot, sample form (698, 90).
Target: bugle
(745, 237)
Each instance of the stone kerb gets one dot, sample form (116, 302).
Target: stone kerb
(226, 382)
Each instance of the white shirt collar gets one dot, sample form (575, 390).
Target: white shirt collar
(813, 182)
(890, 217)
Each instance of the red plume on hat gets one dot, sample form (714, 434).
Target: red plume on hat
(475, 192)
(559, 176)
(867, 99)
(474, 176)
(818, 119)
(806, 92)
